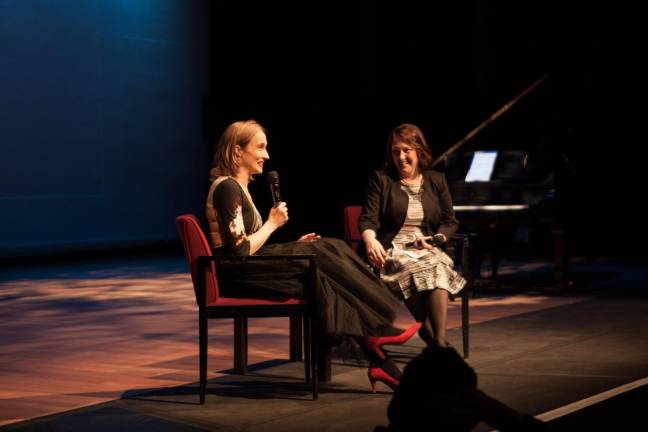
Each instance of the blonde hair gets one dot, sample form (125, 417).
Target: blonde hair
(238, 133)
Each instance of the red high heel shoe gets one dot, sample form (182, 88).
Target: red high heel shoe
(378, 374)
(375, 343)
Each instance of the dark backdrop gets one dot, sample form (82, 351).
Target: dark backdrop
(109, 109)
(332, 82)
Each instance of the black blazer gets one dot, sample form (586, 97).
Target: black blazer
(385, 206)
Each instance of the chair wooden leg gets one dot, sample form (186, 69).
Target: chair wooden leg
(307, 350)
(313, 332)
(466, 262)
(202, 343)
(295, 339)
(465, 320)
(313, 344)
(240, 345)
(310, 360)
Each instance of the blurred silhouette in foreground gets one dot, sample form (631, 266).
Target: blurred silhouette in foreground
(438, 392)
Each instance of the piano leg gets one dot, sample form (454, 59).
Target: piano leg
(484, 252)
(561, 258)
(495, 262)
(495, 238)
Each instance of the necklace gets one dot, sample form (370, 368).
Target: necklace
(414, 182)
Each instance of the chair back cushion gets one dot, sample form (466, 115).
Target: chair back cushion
(352, 232)
(195, 244)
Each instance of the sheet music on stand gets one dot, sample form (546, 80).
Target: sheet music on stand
(481, 167)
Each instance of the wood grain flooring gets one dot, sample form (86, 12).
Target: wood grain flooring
(78, 334)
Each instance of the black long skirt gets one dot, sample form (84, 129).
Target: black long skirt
(351, 300)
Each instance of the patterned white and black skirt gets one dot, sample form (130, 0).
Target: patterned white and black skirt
(409, 272)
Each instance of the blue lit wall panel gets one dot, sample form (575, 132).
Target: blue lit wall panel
(100, 120)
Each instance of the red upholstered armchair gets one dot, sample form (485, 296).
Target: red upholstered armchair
(211, 304)
(352, 234)
(459, 249)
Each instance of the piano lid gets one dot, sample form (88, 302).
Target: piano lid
(514, 184)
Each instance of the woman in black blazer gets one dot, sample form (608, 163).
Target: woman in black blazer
(406, 217)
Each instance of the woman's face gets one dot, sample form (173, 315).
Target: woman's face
(405, 159)
(254, 154)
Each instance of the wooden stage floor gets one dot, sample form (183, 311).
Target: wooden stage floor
(75, 334)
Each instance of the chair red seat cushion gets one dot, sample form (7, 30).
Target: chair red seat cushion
(231, 301)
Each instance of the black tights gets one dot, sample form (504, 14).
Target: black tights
(430, 308)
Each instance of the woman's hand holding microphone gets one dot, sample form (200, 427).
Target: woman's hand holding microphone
(278, 215)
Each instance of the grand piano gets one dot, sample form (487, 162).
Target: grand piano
(503, 196)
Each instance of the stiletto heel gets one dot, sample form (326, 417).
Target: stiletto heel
(372, 380)
(378, 374)
(375, 343)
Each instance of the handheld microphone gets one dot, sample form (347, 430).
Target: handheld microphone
(273, 179)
